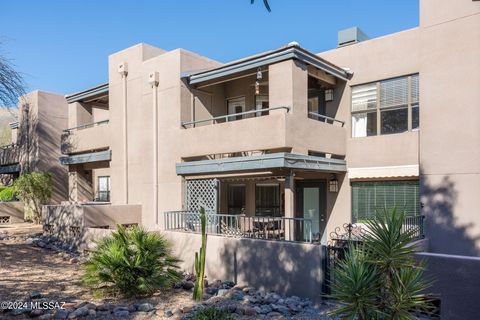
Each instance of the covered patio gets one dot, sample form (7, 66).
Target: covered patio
(274, 196)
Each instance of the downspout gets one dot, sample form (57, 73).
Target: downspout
(123, 70)
(153, 80)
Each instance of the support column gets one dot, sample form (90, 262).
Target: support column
(289, 200)
(154, 80)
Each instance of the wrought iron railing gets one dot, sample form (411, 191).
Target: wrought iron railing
(233, 116)
(242, 226)
(324, 118)
(86, 126)
(414, 224)
(9, 154)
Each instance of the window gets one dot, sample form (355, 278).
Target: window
(267, 199)
(368, 197)
(236, 199)
(235, 106)
(383, 107)
(103, 189)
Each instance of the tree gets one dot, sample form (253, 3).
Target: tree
(380, 278)
(35, 190)
(265, 2)
(12, 85)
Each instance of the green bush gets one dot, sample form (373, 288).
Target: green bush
(380, 278)
(35, 190)
(6, 193)
(133, 262)
(211, 313)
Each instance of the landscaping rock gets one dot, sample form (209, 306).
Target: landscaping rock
(105, 307)
(145, 307)
(79, 313)
(228, 284)
(60, 314)
(121, 313)
(35, 295)
(187, 285)
(73, 260)
(168, 313)
(18, 312)
(211, 291)
(177, 312)
(47, 316)
(222, 292)
(36, 313)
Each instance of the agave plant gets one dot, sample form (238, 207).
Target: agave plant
(265, 2)
(380, 279)
(132, 261)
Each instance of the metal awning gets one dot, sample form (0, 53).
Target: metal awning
(263, 162)
(87, 157)
(267, 58)
(12, 168)
(88, 94)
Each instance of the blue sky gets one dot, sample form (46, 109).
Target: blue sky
(62, 46)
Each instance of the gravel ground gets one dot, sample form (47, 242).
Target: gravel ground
(25, 269)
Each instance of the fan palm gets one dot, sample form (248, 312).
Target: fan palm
(133, 261)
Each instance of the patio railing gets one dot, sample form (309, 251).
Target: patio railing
(242, 226)
(86, 126)
(234, 116)
(415, 224)
(326, 119)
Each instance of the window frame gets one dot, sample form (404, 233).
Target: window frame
(410, 104)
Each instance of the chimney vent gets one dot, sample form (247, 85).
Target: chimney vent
(351, 36)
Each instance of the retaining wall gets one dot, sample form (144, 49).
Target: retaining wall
(14, 210)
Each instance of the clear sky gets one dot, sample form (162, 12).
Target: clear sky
(62, 46)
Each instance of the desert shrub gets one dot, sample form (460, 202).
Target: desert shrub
(7, 194)
(211, 313)
(132, 261)
(380, 278)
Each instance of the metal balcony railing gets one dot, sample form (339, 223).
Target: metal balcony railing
(415, 224)
(324, 118)
(234, 116)
(242, 226)
(86, 126)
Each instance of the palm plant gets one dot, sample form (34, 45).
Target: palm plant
(132, 261)
(265, 2)
(380, 279)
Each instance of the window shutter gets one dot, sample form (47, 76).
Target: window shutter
(364, 97)
(394, 92)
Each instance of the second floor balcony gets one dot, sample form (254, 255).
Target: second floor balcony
(86, 137)
(287, 99)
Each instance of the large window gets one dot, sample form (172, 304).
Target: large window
(372, 196)
(267, 199)
(385, 107)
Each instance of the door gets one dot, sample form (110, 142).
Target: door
(236, 105)
(311, 203)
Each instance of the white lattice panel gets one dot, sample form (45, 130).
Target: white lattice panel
(202, 193)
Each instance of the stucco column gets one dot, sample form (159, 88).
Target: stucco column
(289, 200)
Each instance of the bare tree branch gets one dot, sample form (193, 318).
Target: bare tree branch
(12, 85)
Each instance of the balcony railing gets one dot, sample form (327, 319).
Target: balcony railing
(326, 119)
(242, 226)
(234, 116)
(86, 126)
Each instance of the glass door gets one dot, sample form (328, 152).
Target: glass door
(312, 205)
(235, 106)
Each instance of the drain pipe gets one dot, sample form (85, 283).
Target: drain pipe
(153, 78)
(123, 70)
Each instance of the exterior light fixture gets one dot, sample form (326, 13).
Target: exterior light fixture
(333, 184)
(257, 82)
(328, 95)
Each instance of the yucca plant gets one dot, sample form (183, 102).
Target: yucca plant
(132, 261)
(380, 279)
